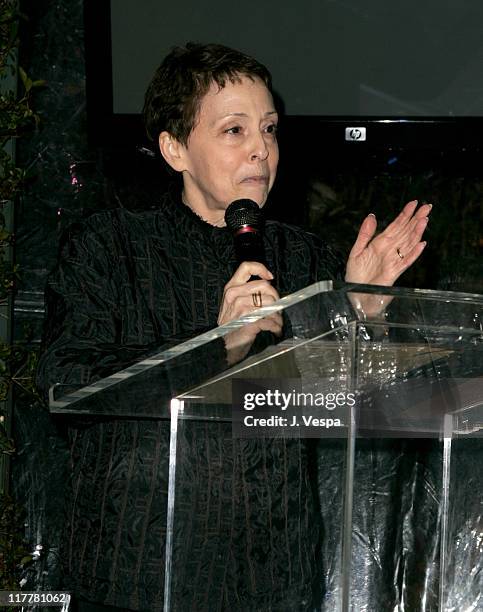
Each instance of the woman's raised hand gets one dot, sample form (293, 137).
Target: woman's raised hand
(381, 259)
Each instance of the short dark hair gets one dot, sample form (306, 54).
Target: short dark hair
(185, 75)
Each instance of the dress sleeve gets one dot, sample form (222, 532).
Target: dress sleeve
(83, 338)
(328, 262)
(325, 311)
(82, 329)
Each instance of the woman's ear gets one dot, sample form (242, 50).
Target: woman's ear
(172, 151)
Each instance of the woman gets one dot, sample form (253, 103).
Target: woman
(228, 150)
(128, 283)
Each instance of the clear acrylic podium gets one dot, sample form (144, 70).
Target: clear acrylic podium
(365, 492)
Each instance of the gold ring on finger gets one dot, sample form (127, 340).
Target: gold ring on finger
(398, 251)
(257, 299)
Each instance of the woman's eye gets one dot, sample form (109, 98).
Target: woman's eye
(272, 128)
(233, 130)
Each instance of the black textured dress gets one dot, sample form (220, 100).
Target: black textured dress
(128, 283)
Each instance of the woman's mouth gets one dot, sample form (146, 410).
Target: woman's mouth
(256, 180)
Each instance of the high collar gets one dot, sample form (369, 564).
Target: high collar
(214, 242)
(174, 206)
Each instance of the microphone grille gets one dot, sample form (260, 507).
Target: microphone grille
(242, 212)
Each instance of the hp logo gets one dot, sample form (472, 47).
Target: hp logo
(356, 134)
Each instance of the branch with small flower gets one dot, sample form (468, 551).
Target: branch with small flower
(17, 363)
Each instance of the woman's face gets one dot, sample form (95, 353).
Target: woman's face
(232, 152)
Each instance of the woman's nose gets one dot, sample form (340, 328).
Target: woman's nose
(259, 149)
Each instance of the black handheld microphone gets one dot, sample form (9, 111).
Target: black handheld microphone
(244, 219)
